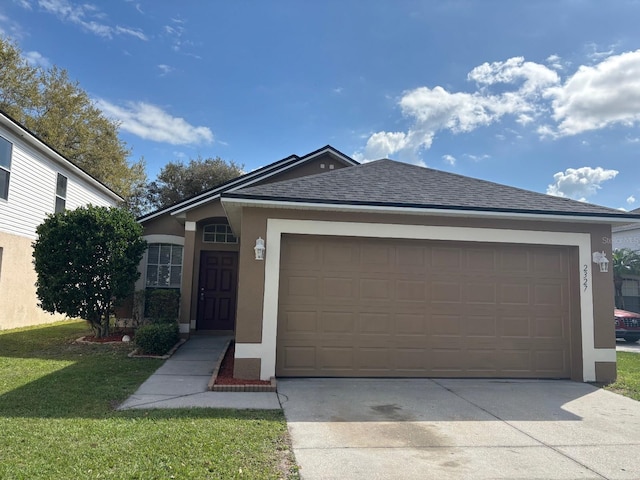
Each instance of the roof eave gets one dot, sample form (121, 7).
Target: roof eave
(233, 203)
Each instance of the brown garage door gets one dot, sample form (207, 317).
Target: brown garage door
(362, 307)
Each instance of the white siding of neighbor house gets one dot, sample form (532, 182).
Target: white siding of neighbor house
(626, 237)
(32, 195)
(32, 189)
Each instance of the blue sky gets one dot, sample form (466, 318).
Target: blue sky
(541, 95)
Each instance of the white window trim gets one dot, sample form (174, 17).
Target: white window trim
(227, 232)
(266, 350)
(141, 283)
(64, 198)
(8, 169)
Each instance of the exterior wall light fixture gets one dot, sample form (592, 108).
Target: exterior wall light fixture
(259, 249)
(601, 259)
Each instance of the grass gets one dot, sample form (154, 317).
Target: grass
(57, 419)
(628, 382)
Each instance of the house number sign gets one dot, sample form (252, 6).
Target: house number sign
(585, 277)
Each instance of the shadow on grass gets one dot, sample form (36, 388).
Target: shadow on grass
(45, 374)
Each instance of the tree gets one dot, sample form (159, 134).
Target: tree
(625, 262)
(85, 259)
(60, 113)
(177, 181)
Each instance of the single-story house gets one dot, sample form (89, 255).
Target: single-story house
(321, 266)
(35, 180)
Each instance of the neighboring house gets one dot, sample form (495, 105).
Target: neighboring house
(390, 270)
(35, 181)
(628, 236)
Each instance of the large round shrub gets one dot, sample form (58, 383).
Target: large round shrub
(85, 259)
(157, 338)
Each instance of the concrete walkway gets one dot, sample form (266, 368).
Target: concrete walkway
(181, 382)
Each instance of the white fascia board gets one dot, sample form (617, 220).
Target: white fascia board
(55, 156)
(242, 202)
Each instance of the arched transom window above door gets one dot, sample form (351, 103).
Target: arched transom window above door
(218, 233)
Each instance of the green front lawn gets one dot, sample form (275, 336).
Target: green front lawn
(628, 382)
(57, 419)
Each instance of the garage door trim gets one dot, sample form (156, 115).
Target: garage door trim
(266, 350)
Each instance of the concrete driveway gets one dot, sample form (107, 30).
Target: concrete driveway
(460, 429)
(622, 346)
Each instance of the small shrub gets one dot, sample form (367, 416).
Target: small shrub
(157, 339)
(162, 305)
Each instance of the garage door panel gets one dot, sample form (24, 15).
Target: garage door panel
(302, 286)
(298, 322)
(480, 260)
(480, 292)
(336, 358)
(410, 324)
(445, 325)
(480, 327)
(448, 258)
(514, 260)
(516, 293)
(374, 323)
(419, 309)
(446, 292)
(339, 255)
(410, 290)
(373, 359)
(375, 288)
(548, 327)
(550, 262)
(412, 258)
(514, 326)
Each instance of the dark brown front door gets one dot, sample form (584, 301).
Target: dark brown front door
(217, 290)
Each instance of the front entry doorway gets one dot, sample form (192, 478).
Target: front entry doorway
(217, 290)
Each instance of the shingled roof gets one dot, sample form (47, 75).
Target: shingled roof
(395, 184)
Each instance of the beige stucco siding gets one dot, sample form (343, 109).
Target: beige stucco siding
(163, 225)
(18, 301)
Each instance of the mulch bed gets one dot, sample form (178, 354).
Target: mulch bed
(225, 374)
(113, 337)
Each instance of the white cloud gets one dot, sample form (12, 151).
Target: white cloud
(529, 94)
(435, 109)
(36, 59)
(176, 32)
(450, 159)
(152, 123)
(477, 158)
(86, 16)
(165, 69)
(24, 4)
(134, 32)
(384, 144)
(597, 54)
(535, 76)
(598, 96)
(10, 28)
(579, 183)
(554, 61)
(631, 199)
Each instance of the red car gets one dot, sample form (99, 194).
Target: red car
(627, 325)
